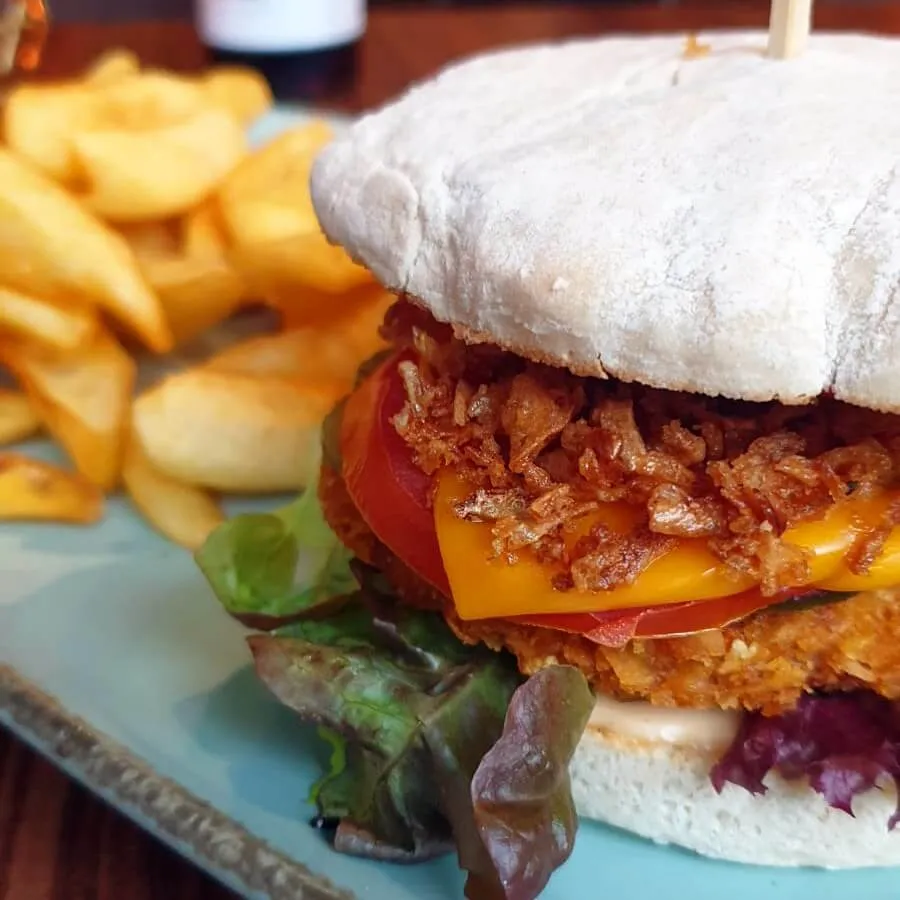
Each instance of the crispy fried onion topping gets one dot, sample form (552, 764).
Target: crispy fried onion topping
(544, 449)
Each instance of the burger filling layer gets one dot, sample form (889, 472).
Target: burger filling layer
(691, 550)
(613, 495)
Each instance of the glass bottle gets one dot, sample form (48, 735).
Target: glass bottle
(307, 49)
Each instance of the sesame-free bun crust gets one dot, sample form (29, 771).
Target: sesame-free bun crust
(727, 224)
(662, 791)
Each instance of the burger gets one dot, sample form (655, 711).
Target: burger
(622, 490)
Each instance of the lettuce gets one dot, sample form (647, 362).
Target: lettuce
(842, 744)
(267, 568)
(434, 744)
(521, 791)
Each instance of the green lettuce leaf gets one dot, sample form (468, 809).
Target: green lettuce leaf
(378, 692)
(267, 568)
(426, 728)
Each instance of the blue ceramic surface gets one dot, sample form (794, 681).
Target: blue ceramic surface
(116, 662)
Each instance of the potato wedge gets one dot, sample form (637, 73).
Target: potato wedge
(152, 239)
(273, 234)
(196, 293)
(326, 357)
(112, 67)
(51, 247)
(304, 273)
(144, 104)
(18, 419)
(231, 432)
(240, 90)
(83, 398)
(266, 198)
(30, 489)
(41, 120)
(37, 122)
(306, 355)
(184, 514)
(66, 327)
(133, 176)
(360, 328)
(202, 234)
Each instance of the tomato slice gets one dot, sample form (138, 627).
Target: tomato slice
(616, 628)
(393, 497)
(392, 494)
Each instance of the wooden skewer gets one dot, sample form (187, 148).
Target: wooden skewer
(789, 25)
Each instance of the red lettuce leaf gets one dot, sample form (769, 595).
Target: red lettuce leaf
(843, 744)
(521, 793)
(434, 744)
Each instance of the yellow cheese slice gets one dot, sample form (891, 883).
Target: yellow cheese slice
(485, 587)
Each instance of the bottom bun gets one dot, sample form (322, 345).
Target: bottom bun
(662, 791)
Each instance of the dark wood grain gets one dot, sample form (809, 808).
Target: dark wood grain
(57, 842)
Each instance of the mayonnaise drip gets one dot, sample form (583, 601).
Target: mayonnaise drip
(645, 722)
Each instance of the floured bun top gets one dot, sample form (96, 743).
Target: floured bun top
(728, 224)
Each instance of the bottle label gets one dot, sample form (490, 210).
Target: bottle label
(279, 26)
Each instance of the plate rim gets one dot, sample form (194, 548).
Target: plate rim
(158, 805)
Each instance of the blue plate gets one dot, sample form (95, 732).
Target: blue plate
(117, 663)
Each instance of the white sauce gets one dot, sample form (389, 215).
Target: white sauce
(645, 722)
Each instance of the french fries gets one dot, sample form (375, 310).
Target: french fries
(275, 240)
(65, 327)
(51, 247)
(137, 147)
(326, 358)
(112, 67)
(266, 198)
(83, 399)
(242, 91)
(133, 176)
(151, 240)
(201, 232)
(18, 419)
(36, 122)
(300, 275)
(183, 513)
(229, 431)
(130, 202)
(30, 489)
(41, 121)
(196, 293)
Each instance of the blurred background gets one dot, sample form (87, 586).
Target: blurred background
(111, 10)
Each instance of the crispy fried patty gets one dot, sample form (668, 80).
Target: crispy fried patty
(764, 662)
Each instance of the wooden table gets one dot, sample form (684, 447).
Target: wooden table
(56, 841)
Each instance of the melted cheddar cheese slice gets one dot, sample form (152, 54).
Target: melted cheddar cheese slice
(483, 587)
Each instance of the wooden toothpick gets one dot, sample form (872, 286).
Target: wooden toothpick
(789, 25)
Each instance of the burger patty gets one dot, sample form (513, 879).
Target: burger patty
(764, 662)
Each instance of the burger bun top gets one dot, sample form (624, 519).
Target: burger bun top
(723, 224)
